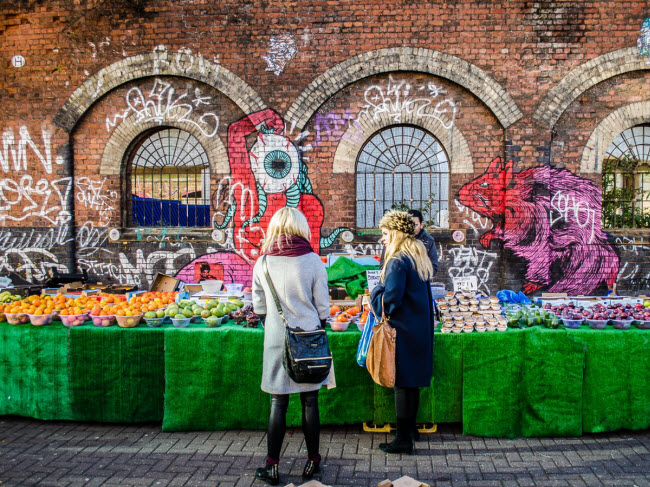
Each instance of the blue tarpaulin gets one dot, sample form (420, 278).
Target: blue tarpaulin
(150, 212)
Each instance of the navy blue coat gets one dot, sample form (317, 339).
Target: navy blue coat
(408, 303)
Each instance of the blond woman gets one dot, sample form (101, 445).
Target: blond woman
(406, 293)
(300, 280)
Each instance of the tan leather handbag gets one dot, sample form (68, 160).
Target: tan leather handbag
(380, 361)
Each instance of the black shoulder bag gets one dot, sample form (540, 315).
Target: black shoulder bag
(307, 357)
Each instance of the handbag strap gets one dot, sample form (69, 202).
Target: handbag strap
(381, 318)
(273, 293)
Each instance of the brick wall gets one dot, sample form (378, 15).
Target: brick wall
(545, 84)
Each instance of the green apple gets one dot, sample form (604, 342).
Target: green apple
(150, 314)
(205, 313)
(160, 313)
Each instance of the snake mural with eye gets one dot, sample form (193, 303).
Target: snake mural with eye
(269, 176)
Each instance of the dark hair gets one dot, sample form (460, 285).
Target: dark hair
(205, 267)
(417, 214)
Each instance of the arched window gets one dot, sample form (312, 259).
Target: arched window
(169, 178)
(626, 180)
(402, 167)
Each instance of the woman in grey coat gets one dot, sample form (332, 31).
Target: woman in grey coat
(300, 281)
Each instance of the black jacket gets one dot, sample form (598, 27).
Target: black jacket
(430, 245)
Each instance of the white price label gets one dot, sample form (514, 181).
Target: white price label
(373, 278)
(465, 283)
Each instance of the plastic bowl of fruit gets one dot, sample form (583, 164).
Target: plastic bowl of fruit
(214, 321)
(340, 325)
(622, 324)
(596, 324)
(17, 318)
(74, 320)
(41, 320)
(128, 321)
(154, 322)
(103, 320)
(181, 322)
(571, 323)
(642, 324)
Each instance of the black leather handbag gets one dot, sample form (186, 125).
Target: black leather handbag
(306, 356)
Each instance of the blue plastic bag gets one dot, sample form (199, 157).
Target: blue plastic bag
(364, 341)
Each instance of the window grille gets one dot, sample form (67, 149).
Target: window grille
(402, 167)
(170, 181)
(626, 180)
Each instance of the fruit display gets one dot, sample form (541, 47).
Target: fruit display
(7, 297)
(465, 312)
(108, 309)
(341, 317)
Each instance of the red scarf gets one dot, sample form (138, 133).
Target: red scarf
(292, 246)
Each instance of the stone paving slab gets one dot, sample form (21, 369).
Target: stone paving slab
(69, 454)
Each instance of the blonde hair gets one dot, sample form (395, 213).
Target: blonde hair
(402, 241)
(284, 223)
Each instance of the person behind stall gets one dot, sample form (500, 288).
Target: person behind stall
(406, 293)
(425, 238)
(300, 280)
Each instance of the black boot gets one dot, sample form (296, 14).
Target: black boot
(312, 467)
(268, 474)
(403, 442)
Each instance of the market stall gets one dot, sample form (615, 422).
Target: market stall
(522, 382)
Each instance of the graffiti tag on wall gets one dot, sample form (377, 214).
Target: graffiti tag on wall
(163, 104)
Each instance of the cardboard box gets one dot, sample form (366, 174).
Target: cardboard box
(166, 284)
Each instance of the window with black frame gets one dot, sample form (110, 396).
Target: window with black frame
(403, 167)
(626, 180)
(169, 177)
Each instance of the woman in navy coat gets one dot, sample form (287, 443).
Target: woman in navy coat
(406, 292)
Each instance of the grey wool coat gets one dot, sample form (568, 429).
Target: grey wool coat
(301, 284)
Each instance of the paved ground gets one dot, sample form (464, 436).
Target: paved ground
(55, 453)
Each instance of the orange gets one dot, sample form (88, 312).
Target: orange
(334, 309)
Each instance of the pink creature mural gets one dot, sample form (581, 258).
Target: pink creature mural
(269, 176)
(551, 219)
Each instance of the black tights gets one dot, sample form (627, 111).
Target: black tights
(407, 402)
(278, 423)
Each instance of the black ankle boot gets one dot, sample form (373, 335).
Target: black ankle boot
(312, 467)
(403, 442)
(268, 474)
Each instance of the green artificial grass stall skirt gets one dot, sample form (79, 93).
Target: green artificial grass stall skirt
(34, 371)
(116, 374)
(214, 376)
(616, 387)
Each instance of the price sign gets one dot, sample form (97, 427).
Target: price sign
(373, 278)
(465, 283)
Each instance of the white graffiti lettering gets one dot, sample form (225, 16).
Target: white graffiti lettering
(477, 221)
(92, 195)
(43, 199)
(16, 150)
(469, 261)
(567, 208)
(162, 104)
(398, 99)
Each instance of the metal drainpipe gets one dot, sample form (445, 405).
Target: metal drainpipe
(69, 172)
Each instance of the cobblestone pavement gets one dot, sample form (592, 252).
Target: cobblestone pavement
(57, 453)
